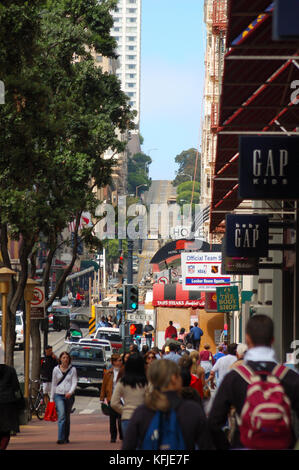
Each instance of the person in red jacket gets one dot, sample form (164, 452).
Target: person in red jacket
(170, 331)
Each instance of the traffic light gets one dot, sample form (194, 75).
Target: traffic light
(131, 297)
(121, 265)
(120, 298)
(136, 329)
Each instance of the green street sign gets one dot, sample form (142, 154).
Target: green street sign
(227, 299)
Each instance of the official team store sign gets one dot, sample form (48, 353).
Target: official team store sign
(202, 271)
(247, 235)
(268, 167)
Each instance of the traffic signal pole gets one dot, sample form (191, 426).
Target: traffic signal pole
(130, 262)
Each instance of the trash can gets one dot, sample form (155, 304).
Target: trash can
(61, 322)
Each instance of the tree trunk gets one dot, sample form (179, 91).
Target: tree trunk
(36, 352)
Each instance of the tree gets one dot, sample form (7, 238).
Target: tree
(138, 172)
(187, 161)
(60, 116)
(188, 186)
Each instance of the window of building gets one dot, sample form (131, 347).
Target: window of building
(131, 48)
(131, 66)
(131, 94)
(131, 57)
(130, 75)
(131, 20)
(131, 85)
(99, 58)
(132, 10)
(131, 38)
(132, 103)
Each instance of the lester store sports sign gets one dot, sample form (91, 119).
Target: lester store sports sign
(202, 271)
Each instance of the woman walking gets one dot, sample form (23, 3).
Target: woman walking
(130, 391)
(166, 381)
(109, 383)
(206, 360)
(64, 383)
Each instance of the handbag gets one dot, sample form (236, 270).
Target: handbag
(50, 413)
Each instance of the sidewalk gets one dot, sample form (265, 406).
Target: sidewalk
(88, 432)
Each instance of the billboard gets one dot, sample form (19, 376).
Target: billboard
(202, 271)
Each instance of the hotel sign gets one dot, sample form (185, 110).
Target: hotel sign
(247, 236)
(268, 167)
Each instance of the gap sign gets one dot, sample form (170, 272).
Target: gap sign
(247, 235)
(268, 167)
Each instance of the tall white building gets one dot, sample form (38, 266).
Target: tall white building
(127, 32)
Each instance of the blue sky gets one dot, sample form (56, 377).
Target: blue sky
(172, 76)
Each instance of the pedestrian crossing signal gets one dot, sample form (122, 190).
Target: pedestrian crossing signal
(136, 329)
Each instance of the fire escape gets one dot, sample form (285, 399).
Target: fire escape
(219, 23)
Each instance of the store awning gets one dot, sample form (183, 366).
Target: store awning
(172, 295)
(256, 95)
(169, 256)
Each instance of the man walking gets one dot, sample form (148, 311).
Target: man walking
(47, 365)
(171, 330)
(196, 336)
(148, 334)
(260, 361)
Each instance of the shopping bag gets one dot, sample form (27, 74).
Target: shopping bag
(50, 413)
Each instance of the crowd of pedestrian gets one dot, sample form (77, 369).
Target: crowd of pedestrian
(173, 399)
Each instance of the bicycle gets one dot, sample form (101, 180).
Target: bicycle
(37, 403)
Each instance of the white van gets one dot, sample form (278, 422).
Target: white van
(19, 329)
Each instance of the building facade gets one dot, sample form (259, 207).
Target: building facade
(127, 32)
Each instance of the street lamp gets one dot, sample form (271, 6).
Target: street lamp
(5, 278)
(139, 186)
(28, 297)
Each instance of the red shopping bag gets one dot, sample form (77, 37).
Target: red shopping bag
(50, 413)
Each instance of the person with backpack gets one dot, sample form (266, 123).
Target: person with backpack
(263, 393)
(196, 334)
(166, 421)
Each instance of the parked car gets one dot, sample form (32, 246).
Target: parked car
(57, 311)
(112, 335)
(90, 363)
(19, 329)
(80, 319)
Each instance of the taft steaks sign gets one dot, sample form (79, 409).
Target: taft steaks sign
(247, 235)
(268, 167)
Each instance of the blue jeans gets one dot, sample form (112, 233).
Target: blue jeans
(63, 407)
(124, 425)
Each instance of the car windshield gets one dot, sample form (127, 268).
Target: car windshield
(62, 310)
(87, 354)
(109, 336)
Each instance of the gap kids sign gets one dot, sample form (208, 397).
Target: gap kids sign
(247, 235)
(268, 167)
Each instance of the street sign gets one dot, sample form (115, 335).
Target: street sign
(227, 299)
(37, 311)
(163, 280)
(136, 317)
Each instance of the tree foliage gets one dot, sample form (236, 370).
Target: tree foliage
(138, 172)
(186, 161)
(60, 115)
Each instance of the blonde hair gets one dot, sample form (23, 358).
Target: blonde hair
(159, 375)
(194, 355)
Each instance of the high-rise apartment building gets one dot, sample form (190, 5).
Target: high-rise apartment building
(127, 32)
